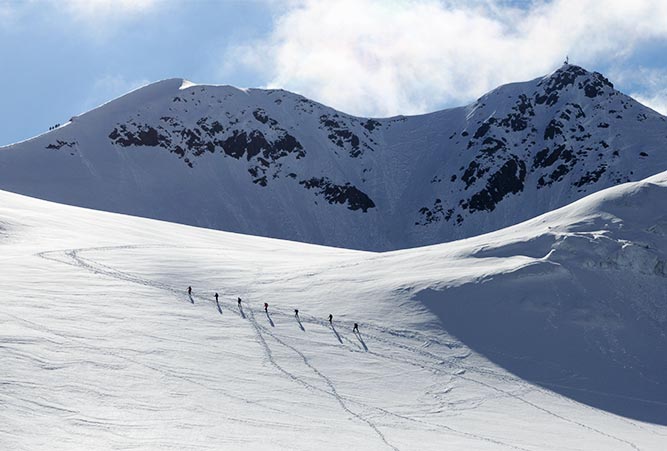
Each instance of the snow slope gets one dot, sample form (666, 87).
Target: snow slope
(549, 335)
(273, 163)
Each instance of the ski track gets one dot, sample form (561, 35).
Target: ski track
(507, 393)
(73, 258)
(333, 392)
(98, 268)
(342, 399)
(76, 343)
(108, 271)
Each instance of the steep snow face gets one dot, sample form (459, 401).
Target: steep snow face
(586, 298)
(272, 163)
(548, 335)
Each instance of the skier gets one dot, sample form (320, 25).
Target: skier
(296, 312)
(190, 291)
(355, 328)
(330, 319)
(216, 297)
(266, 307)
(239, 302)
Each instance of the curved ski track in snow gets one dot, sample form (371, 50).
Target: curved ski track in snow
(424, 359)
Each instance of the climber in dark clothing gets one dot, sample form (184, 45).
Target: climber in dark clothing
(330, 318)
(355, 328)
(190, 290)
(266, 307)
(296, 312)
(239, 302)
(216, 297)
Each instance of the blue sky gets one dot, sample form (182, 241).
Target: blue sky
(367, 57)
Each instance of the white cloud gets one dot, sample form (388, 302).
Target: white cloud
(383, 57)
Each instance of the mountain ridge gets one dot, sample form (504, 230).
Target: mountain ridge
(274, 163)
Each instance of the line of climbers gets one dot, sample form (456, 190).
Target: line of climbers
(266, 309)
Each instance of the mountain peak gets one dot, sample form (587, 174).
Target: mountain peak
(570, 76)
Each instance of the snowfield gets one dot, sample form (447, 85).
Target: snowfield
(549, 335)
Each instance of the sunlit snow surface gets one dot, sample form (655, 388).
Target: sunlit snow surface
(460, 344)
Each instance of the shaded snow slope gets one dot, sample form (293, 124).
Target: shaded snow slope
(273, 163)
(544, 336)
(586, 298)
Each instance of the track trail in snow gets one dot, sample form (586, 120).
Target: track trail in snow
(421, 359)
(332, 388)
(343, 401)
(456, 365)
(77, 260)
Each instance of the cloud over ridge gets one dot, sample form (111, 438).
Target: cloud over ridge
(374, 57)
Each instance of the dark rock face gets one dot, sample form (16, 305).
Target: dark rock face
(434, 214)
(591, 176)
(554, 128)
(265, 144)
(346, 194)
(209, 135)
(595, 87)
(143, 135)
(510, 148)
(548, 156)
(484, 128)
(371, 125)
(592, 86)
(242, 143)
(340, 135)
(260, 115)
(59, 144)
(552, 86)
(473, 172)
(353, 135)
(507, 180)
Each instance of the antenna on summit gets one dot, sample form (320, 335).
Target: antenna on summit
(567, 59)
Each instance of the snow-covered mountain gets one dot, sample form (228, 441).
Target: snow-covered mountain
(273, 163)
(548, 335)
